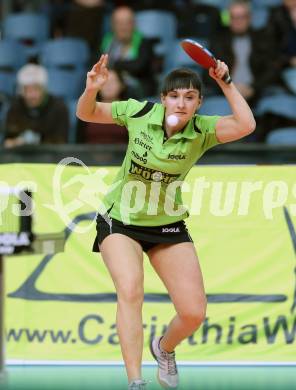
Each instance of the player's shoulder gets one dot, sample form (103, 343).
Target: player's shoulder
(125, 112)
(130, 106)
(205, 123)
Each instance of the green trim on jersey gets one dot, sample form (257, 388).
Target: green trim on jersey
(153, 168)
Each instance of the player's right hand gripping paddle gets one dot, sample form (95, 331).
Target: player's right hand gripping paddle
(202, 56)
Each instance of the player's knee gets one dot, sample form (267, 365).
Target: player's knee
(195, 315)
(193, 319)
(130, 293)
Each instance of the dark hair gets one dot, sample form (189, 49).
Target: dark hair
(181, 78)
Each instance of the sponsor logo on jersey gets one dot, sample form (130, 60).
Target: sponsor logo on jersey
(146, 137)
(151, 174)
(176, 157)
(143, 158)
(138, 141)
(157, 176)
(171, 230)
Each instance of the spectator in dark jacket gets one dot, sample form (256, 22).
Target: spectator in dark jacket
(282, 27)
(249, 53)
(84, 20)
(199, 20)
(35, 116)
(130, 53)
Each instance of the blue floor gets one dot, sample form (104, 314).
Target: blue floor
(113, 378)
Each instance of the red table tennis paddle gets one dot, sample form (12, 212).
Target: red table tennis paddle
(202, 56)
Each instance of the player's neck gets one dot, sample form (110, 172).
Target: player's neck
(170, 131)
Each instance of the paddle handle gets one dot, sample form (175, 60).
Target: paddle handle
(227, 78)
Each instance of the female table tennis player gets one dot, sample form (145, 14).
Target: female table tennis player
(165, 141)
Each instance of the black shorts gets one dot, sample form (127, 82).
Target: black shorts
(147, 236)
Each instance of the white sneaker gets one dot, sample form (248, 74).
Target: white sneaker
(137, 384)
(167, 369)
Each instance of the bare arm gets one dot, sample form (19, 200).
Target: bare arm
(241, 122)
(88, 109)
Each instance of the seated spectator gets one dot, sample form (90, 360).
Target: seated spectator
(84, 20)
(98, 133)
(130, 53)
(249, 53)
(35, 116)
(199, 20)
(282, 27)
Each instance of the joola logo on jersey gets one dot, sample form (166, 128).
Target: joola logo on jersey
(151, 174)
(147, 137)
(141, 158)
(176, 157)
(171, 230)
(138, 141)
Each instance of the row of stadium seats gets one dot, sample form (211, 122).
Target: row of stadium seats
(280, 104)
(66, 60)
(33, 29)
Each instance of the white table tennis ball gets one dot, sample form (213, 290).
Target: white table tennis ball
(172, 120)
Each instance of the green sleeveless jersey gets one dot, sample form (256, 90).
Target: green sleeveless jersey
(147, 188)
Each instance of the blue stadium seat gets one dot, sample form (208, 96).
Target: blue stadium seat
(260, 17)
(282, 136)
(282, 104)
(67, 53)
(159, 25)
(177, 58)
(289, 77)
(215, 105)
(67, 84)
(12, 56)
(7, 84)
(31, 29)
(266, 3)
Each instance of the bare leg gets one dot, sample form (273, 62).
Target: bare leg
(177, 266)
(124, 260)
